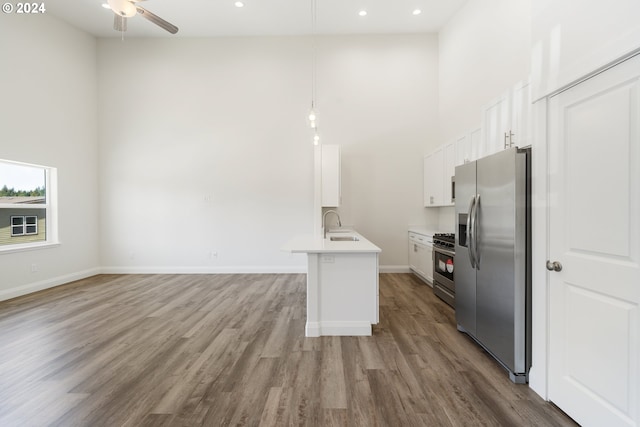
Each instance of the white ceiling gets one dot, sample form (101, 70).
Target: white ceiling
(209, 18)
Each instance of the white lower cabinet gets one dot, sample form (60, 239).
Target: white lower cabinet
(421, 256)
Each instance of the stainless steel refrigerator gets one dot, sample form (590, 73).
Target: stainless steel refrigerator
(493, 256)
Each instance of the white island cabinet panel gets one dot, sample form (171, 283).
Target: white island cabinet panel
(342, 284)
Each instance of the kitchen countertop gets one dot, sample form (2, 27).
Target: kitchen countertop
(317, 244)
(422, 230)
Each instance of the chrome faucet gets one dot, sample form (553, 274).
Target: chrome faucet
(325, 216)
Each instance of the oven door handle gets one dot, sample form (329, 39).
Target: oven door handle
(470, 233)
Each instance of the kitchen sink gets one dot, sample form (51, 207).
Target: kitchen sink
(343, 238)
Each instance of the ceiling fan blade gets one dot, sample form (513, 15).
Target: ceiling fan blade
(119, 22)
(157, 20)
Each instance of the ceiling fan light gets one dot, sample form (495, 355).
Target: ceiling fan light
(123, 8)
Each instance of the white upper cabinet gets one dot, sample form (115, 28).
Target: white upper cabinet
(521, 128)
(496, 125)
(467, 147)
(433, 178)
(331, 192)
(439, 168)
(462, 149)
(507, 120)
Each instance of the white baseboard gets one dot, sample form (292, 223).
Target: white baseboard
(317, 329)
(61, 280)
(394, 269)
(206, 270)
(46, 284)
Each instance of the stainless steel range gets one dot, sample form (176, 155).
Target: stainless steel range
(443, 255)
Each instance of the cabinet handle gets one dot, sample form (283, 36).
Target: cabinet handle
(508, 136)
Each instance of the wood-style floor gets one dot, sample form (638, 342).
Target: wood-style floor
(191, 350)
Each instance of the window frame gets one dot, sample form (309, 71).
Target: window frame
(25, 224)
(50, 207)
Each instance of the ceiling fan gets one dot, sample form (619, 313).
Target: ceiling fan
(124, 9)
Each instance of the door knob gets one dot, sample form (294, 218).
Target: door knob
(554, 266)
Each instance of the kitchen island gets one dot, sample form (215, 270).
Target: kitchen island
(342, 283)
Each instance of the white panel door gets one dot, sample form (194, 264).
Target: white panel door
(594, 184)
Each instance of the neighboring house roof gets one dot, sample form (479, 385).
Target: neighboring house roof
(24, 200)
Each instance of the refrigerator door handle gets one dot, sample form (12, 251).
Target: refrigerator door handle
(476, 224)
(470, 223)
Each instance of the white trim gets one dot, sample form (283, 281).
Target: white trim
(394, 269)
(538, 374)
(260, 269)
(333, 328)
(23, 247)
(46, 284)
(50, 207)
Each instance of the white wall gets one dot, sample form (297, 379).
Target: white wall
(484, 50)
(205, 147)
(48, 117)
(377, 96)
(572, 38)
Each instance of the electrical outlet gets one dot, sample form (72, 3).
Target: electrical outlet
(34, 268)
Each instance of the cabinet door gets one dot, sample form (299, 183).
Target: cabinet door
(495, 124)
(331, 195)
(428, 263)
(413, 255)
(433, 181)
(475, 141)
(520, 125)
(462, 150)
(449, 170)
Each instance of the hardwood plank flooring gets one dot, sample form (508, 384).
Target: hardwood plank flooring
(210, 350)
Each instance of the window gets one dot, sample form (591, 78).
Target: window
(27, 206)
(24, 225)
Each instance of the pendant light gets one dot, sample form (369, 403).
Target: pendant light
(313, 116)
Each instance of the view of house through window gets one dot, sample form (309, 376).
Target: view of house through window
(24, 204)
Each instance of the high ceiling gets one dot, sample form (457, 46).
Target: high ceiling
(209, 18)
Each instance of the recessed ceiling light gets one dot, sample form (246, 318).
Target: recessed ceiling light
(362, 13)
(239, 4)
(106, 6)
(417, 12)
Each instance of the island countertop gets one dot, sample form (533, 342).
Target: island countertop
(317, 244)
